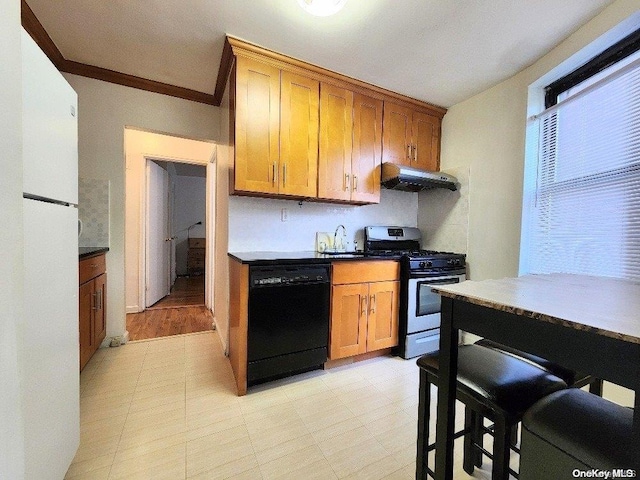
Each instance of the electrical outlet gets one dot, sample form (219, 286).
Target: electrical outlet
(284, 215)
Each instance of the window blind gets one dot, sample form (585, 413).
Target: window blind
(582, 209)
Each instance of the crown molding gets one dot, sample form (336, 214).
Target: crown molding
(34, 28)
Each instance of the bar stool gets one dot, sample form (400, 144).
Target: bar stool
(571, 378)
(575, 430)
(491, 384)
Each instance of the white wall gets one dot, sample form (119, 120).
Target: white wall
(104, 109)
(486, 135)
(188, 208)
(11, 252)
(255, 223)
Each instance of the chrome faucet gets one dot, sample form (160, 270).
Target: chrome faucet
(343, 241)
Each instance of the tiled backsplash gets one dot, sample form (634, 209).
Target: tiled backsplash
(255, 224)
(93, 212)
(443, 215)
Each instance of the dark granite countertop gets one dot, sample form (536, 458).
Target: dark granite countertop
(273, 258)
(88, 252)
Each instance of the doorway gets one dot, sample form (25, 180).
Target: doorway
(176, 234)
(169, 234)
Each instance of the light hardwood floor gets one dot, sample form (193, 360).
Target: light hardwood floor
(167, 409)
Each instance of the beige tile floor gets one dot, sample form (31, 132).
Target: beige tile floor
(167, 409)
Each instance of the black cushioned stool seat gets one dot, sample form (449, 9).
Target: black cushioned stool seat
(573, 429)
(570, 377)
(490, 383)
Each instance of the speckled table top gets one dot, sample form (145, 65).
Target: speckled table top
(605, 306)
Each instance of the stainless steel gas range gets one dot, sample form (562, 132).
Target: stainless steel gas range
(419, 328)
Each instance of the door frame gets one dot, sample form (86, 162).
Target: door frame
(141, 146)
(210, 193)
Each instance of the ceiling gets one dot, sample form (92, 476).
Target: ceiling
(439, 51)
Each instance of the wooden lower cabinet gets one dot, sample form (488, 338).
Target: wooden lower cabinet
(364, 316)
(92, 303)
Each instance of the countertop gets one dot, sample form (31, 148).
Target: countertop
(273, 258)
(605, 306)
(88, 252)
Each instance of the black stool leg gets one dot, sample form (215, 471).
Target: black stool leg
(595, 387)
(501, 450)
(478, 435)
(424, 404)
(470, 422)
(514, 435)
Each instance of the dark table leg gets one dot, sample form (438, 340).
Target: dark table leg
(447, 374)
(636, 431)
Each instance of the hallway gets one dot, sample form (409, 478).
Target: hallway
(182, 311)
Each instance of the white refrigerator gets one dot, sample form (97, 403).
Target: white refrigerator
(48, 336)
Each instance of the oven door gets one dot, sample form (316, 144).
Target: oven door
(423, 304)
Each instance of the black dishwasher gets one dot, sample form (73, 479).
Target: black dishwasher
(288, 320)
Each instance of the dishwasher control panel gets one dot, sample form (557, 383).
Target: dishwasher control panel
(275, 276)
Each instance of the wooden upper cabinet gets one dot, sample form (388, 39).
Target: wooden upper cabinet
(299, 119)
(257, 127)
(426, 141)
(336, 129)
(396, 134)
(411, 137)
(302, 131)
(367, 149)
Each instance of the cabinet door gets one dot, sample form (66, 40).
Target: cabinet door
(99, 312)
(299, 135)
(257, 129)
(336, 123)
(396, 134)
(86, 303)
(349, 304)
(426, 141)
(383, 315)
(367, 149)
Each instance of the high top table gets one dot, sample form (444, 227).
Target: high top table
(589, 324)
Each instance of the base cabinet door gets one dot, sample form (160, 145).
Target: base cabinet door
(92, 300)
(99, 312)
(382, 328)
(86, 323)
(348, 320)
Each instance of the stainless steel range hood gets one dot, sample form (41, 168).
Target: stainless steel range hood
(407, 179)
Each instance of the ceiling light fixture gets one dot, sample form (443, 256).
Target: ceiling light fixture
(322, 8)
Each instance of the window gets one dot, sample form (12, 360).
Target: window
(582, 203)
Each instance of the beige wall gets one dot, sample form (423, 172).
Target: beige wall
(486, 134)
(11, 253)
(104, 109)
(140, 146)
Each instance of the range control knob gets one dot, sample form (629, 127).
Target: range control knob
(422, 264)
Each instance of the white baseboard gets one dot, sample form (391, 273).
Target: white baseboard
(133, 309)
